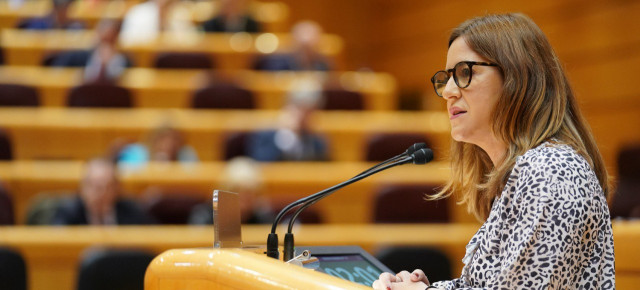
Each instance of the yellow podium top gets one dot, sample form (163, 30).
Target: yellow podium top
(233, 269)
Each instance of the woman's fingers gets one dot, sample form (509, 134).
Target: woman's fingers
(403, 276)
(418, 275)
(384, 281)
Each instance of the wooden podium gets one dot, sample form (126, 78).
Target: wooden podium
(227, 268)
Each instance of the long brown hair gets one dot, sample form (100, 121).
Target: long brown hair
(537, 105)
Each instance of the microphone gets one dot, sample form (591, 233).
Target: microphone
(416, 154)
(408, 152)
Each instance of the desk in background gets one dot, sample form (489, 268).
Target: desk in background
(173, 88)
(62, 133)
(229, 50)
(272, 15)
(52, 254)
(283, 182)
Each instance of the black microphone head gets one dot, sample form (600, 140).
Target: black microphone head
(422, 156)
(415, 147)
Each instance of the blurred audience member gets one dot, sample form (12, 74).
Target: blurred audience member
(242, 176)
(56, 19)
(164, 144)
(293, 139)
(304, 54)
(144, 22)
(102, 63)
(232, 17)
(98, 202)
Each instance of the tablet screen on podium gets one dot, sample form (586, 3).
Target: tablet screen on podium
(350, 263)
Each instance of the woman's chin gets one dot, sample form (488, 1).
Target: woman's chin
(457, 136)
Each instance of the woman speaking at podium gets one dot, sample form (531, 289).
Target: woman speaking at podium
(524, 161)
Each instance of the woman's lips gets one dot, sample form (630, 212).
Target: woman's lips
(455, 112)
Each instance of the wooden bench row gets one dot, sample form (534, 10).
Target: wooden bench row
(174, 88)
(230, 50)
(272, 15)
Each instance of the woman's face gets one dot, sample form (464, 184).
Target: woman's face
(470, 108)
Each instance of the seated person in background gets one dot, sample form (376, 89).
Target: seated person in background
(304, 53)
(144, 22)
(56, 19)
(232, 17)
(104, 63)
(293, 139)
(98, 202)
(165, 144)
(242, 176)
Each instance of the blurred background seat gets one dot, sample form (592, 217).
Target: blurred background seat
(170, 206)
(626, 201)
(405, 203)
(381, 146)
(6, 207)
(223, 96)
(337, 99)
(235, 144)
(184, 60)
(108, 269)
(13, 270)
(6, 148)
(14, 95)
(99, 95)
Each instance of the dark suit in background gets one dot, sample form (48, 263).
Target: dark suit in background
(262, 146)
(72, 212)
(245, 23)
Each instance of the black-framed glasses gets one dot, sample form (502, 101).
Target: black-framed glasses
(462, 73)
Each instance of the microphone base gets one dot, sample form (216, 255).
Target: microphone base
(289, 250)
(272, 246)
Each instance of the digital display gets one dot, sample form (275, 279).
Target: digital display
(352, 268)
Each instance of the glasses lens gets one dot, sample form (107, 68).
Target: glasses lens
(440, 80)
(462, 74)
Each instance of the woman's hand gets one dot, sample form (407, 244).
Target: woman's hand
(402, 280)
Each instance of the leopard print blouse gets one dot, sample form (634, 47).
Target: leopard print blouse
(549, 229)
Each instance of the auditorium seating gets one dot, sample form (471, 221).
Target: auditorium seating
(223, 96)
(107, 269)
(13, 270)
(626, 201)
(43, 132)
(6, 207)
(407, 203)
(235, 145)
(272, 15)
(14, 95)
(381, 146)
(42, 149)
(340, 99)
(190, 60)
(99, 95)
(173, 88)
(170, 205)
(6, 146)
(29, 47)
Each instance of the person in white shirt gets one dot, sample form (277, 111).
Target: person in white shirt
(143, 23)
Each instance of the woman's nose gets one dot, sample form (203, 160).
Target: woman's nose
(451, 90)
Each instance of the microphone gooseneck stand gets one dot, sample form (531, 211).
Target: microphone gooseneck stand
(416, 154)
